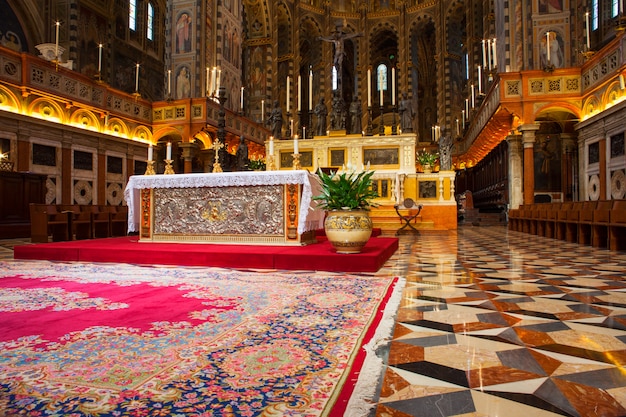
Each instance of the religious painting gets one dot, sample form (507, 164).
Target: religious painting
(183, 83)
(382, 157)
(550, 6)
(92, 29)
(183, 33)
(337, 157)
(306, 159)
(257, 78)
(551, 50)
(427, 189)
(11, 33)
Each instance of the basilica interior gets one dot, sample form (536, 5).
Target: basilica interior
(526, 97)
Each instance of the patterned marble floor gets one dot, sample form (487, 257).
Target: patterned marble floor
(500, 323)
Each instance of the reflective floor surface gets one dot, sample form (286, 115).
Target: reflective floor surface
(501, 323)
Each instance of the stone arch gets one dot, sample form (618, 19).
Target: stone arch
(284, 30)
(117, 127)
(9, 101)
(613, 93)
(423, 86)
(47, 109)
(142, 133)
(85, 119)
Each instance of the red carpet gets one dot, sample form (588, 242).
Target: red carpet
(316, 257)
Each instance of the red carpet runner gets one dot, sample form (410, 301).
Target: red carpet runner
(316, 257)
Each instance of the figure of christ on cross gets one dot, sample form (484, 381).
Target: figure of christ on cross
(337, 38)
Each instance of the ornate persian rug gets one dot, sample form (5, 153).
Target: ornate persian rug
(119, 340)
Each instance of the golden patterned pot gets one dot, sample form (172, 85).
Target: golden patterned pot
(348, 230)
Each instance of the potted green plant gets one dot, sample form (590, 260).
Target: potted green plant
(347, 197)
(427, 159)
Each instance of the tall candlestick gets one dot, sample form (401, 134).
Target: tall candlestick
(304, 132)
(310, 89)
(458, 128)
(137, 79)
(489, 52)
(463, 118)
(587, 30)
(295, 144)
(169, 151)
(380, 87)
(150, 152)
(271, 145)
(219, 82)
(393, 86)
(548, 46)
(241, 101)
(291, 125)
(208, 82)
(299, 93)
(56, 42)
(213, 80)
(262, 111)
(369, 87)
(473, 96)
(467, 107)
(100, 46)
(169, 82)
(288, 82)
(495, 58)
(480, 80)
(484, 53)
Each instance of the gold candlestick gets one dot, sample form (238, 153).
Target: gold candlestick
(168, 167)
(296, 161)
(150, 168)
(271, 164)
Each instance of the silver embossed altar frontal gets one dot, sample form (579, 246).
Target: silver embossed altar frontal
(238, 211)
(262, 208)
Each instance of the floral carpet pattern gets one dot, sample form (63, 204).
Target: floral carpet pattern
(120, 340)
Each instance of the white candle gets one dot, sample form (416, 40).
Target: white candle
(208, 82)
(150, 152)
(484, 53)
(495, 58)
(299, 93)
(304, 132)
(241, 104)
(271, 145)
(467, 106)
(380, 87)
(288, 82)
(295, 144)
(137, 78)
(480, 80)
(489, 52)
(169, 82)
(310, 89)
(393, 86)
(169, 151)
(100, 57)
(463, 118)
(473, 96)
(213, 80)
(262, 111)
(432, 133)
(291, 126)
(56, 42)
(587, 30)
(369, 87)
(548, 46)
(458, 128)
(219, 80)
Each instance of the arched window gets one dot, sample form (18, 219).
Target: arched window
(149, 26)
(614, 8)
(132, 14)
(381, 78)
(594, 14)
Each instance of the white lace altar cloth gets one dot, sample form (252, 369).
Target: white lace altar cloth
(309, 218)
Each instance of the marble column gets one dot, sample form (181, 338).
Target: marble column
(516, 171)
(528, 140)
(189, 151)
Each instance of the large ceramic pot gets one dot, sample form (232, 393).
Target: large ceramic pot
(348, 230)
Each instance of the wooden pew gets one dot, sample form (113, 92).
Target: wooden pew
(585, 220)
(617, 226)
(47, 220)
(600, 224)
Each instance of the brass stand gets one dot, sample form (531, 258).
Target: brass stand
(271, 164)
(150, 168)
(168, 167)
(368, 129)
(381, 128)
(296, 161)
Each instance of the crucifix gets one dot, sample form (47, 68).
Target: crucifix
(217, 145)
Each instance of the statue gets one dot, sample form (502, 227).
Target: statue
(445, 151)
(320, 113)
(337, 38)
(355, 116)
(406, 114)
(275, 120)
(242, 155)
(338, 115)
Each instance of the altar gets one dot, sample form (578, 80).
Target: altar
(252, 207)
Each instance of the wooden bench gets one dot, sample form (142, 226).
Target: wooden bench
(617, 225)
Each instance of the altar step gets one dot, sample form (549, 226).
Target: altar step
(385, 218)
